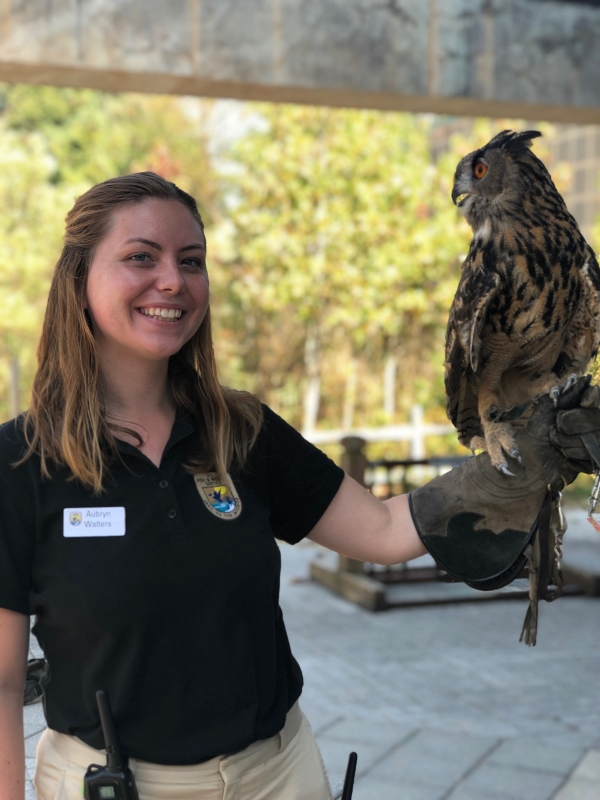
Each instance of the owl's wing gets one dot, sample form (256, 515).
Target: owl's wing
(591, 273)
(591, 291)
(476, 290)
(583, 341)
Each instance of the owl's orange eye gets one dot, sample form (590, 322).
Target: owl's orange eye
(480, 170)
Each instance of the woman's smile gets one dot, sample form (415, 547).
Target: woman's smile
(160, 313)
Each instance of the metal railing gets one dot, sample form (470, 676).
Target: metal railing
(387, 479)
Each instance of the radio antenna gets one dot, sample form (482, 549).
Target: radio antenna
(114, 758)
(349, 780)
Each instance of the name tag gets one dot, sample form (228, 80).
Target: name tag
(104, 521)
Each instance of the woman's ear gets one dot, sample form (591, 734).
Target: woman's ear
(86, 310)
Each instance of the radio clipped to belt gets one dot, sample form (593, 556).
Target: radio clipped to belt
(115, 780)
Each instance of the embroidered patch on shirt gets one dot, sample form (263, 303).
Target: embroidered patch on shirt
(220, 498)
(103, 521)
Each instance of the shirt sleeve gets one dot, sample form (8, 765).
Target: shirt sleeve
(302, 480)
(17, 522)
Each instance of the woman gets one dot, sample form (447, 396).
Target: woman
(138, 505)
(139, 523)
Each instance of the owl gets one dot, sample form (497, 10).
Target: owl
(525, 319)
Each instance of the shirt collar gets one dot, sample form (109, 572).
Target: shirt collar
(183, 427)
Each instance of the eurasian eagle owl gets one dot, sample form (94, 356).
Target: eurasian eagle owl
(526, 316)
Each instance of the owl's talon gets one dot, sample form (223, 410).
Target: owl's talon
(500, 442)
(514, 453)
(503, 468)
(555, 394)
(571, 381)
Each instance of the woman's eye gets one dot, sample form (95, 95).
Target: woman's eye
(193, 262)
(140, 256)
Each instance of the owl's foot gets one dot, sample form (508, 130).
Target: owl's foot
(500, 439)
(556, 391)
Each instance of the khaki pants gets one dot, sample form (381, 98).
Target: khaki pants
(287, 766)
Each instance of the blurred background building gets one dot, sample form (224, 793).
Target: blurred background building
(579, 146)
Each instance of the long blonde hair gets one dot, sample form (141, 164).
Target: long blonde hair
(65, 422)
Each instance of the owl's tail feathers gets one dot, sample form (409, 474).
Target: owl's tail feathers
(468, 425)
(462, 410)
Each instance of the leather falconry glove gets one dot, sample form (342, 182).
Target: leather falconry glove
(577, 432)
(484, 527)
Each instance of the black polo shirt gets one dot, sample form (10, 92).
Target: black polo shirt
(175, 612)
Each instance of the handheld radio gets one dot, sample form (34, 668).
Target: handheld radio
(349, 780)
(115, 780)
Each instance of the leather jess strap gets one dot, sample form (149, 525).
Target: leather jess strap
(544, 534)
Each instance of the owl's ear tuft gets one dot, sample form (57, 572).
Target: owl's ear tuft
(513, 142)
(522, 141)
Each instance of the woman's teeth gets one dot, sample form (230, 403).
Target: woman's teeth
(162, 313)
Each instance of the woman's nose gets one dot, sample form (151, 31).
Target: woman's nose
(169, 277)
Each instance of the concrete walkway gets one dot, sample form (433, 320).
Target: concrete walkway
(442, 703)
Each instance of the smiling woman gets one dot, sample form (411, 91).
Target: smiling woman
(130, 291)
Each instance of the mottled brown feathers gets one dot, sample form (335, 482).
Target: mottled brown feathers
(526, 313)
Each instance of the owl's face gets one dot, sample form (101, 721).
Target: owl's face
(491, 181)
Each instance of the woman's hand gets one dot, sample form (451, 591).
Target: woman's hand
(358, 525)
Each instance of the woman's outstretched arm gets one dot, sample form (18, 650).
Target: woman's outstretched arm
(358, 525)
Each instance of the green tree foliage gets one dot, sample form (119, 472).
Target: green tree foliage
(344, 251)
(92, 136)
(32, 208)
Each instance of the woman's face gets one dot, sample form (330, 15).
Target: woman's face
(147, 286)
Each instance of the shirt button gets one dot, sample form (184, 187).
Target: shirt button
(163, 484)
(172, 514)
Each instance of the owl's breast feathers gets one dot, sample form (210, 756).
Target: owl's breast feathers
(528, 303)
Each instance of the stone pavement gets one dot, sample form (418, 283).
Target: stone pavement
(442, 702)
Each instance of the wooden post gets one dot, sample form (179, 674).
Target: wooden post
(417, 444)
(354, 461)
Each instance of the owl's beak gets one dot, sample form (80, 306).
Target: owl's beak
(458, 197)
